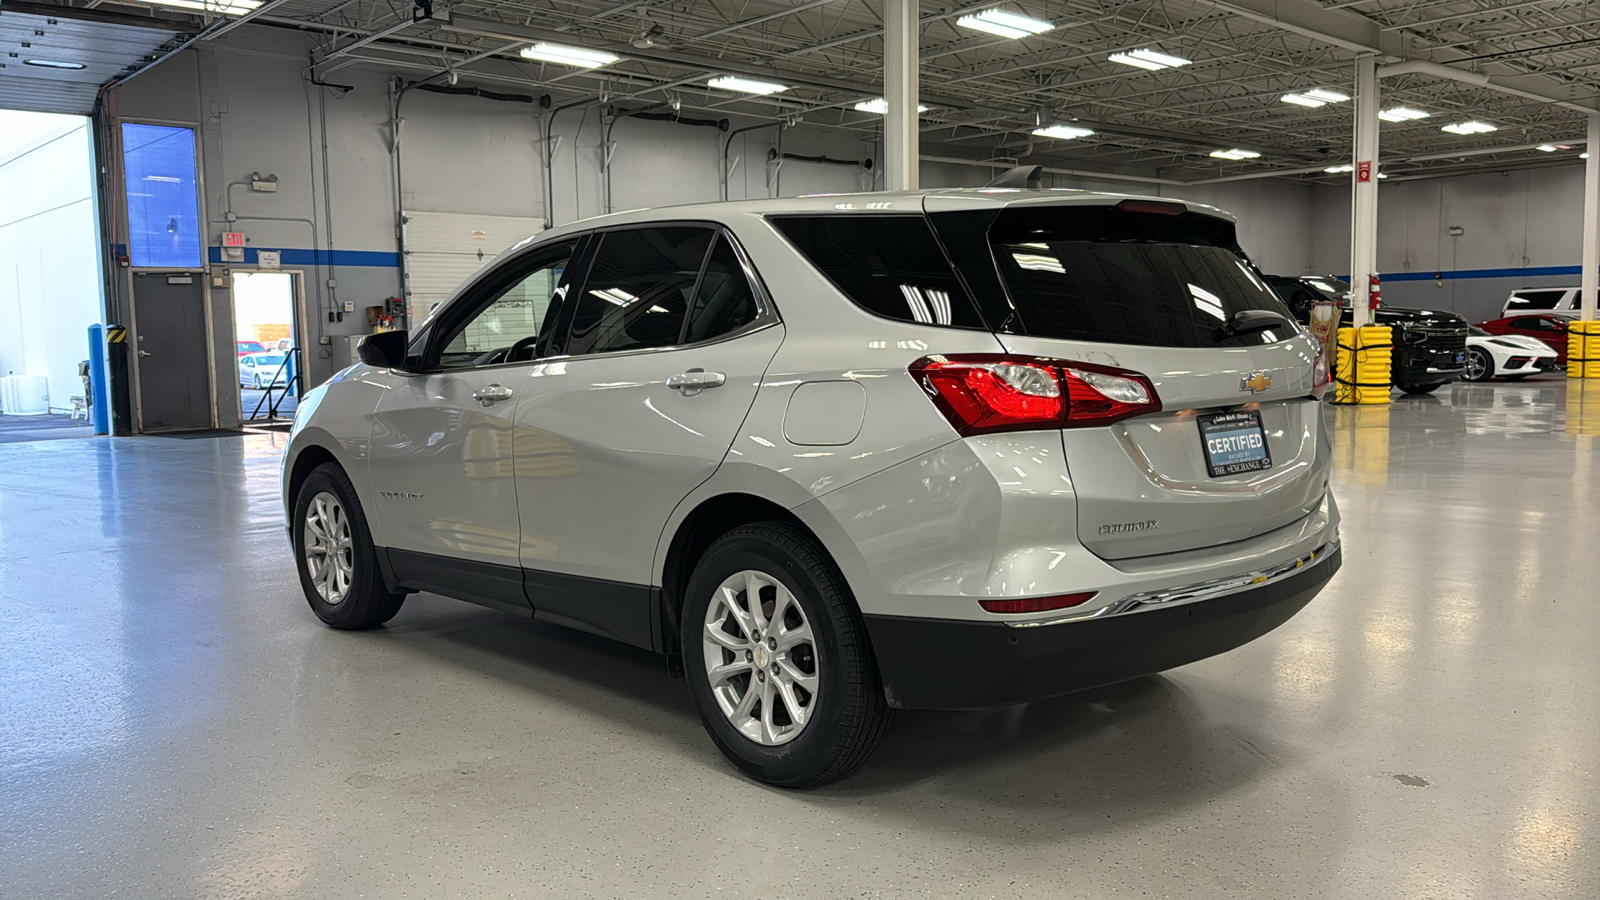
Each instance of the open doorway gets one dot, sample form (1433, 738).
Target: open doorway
(265, 332)
(50, 286)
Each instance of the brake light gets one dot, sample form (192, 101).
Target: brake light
(1321, 376)
(1153, 207)
(1036, 604)
(987, 394)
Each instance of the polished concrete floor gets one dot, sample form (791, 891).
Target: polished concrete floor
(175, 723)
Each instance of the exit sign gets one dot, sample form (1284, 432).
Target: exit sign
(233, 239)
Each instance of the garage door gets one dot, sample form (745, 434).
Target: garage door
(445, 249)
(59, 56)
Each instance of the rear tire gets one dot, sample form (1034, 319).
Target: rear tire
(801, 648)
(334, 552)
(1480, 366)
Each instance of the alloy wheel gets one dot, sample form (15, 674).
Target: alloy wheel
(1477, 366)
(329, 554)
(761, 658)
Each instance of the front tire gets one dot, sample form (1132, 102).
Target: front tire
(1480, 367)
(335, 555)
(778, 660)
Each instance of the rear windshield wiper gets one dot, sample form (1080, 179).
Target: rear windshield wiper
(1250, 321)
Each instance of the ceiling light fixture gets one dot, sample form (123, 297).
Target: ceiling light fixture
(1149, 59)
(1402, 114)
(569, 56)
(1546, 148)
(1339, 170)
(1005, 24)
(1465, 128)
(234, 7)
(746, 85)
(1234, 154)
(1583, 155)
(53, 64)
(1326, 96)
(1303, 100)
(1063, 132)
(880, 106)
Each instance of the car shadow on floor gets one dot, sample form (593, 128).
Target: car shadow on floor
(1139, 748)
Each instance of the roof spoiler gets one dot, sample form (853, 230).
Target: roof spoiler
(1019, 177)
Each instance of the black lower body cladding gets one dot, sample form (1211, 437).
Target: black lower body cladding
(957, 664)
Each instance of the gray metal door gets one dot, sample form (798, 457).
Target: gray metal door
(170, 343)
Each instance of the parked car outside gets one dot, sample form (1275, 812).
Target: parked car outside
(1508, 356)
(250, 347)
(838, 455)
(1549, 329)
(1430, 347)
(1567, 301)
(259, 370)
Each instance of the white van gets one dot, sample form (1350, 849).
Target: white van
(1561, 301)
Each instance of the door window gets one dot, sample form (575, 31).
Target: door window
(724, 302)
(506, 330)
(1535, 299)
(638, 289)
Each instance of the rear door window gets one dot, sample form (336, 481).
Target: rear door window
(638, 290)
(1525, 300)
(889, 265)
(1104, 275)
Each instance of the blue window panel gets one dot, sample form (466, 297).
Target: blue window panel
(163, 203)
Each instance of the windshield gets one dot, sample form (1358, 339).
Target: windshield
(1100, 274)
(1330, 289)
(266, 360)
(1475, 331)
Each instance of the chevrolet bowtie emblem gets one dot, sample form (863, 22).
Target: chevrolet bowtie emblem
(1255, 382)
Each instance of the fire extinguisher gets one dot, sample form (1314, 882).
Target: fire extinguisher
(1373, 298)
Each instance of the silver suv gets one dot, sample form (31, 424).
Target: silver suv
(833, 456)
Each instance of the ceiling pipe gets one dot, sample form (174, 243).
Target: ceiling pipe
(1425, 157)
(216, 29)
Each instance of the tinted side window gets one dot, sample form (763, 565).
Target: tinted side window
(638, 289)
(1535, 299)
(889, 265)
(724, 301)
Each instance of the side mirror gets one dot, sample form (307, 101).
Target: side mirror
(384, 350)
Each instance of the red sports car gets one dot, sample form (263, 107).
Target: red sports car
(1550, 329)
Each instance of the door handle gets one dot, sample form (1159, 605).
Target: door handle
(696, 380)
(144, 353)
(492, 394)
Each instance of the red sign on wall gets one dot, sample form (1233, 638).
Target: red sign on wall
(1364, 171)
(233, 239)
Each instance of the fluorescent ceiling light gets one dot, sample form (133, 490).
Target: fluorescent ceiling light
(1546, 148)
(236, 7)
(1234, 154)
(1148, 59)
(1469, 128)
(1339, 170)
(1326, 96)
(1584, 155)
(570, 56)
(1005, 24)
(52, 64)
(1303, 100)
(1401, 114)
(1063, 132)
(746, 85)
(880, 106)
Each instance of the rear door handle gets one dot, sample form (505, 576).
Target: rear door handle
(144, 353)
(492, 394)
(696, 380)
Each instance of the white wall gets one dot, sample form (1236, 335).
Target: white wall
(1521, 221)
(49, 262)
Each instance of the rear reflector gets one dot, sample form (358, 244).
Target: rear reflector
(1036, 604)
(991, 393)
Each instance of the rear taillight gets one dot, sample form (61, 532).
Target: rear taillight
(1036, 604)
(986, 394)
(1321, 376)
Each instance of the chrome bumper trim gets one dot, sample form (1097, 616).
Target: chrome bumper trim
(1191, 593)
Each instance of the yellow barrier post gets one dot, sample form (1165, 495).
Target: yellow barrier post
(1362, 373)
(1583, 349)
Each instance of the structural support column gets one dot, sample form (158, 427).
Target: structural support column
(900, 61)
(1364, 205)
(1591, 220)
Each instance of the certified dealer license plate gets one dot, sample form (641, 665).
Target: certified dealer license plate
(1234, 443)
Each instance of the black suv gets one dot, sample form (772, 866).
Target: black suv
(1430, 346)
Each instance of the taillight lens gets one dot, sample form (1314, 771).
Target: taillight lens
(986, 394)
(1036, 604)
(1321, 376)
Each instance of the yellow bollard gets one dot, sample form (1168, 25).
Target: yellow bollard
(1362, 374)
(1583, 349)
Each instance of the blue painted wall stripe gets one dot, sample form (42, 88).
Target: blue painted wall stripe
(294, 256)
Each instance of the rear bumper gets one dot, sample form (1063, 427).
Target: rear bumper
(951, 664)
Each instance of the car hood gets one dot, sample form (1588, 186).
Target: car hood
(1399, 315)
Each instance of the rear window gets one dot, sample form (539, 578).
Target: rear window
(1110, 276)
(1525, 300)
(889, 265)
